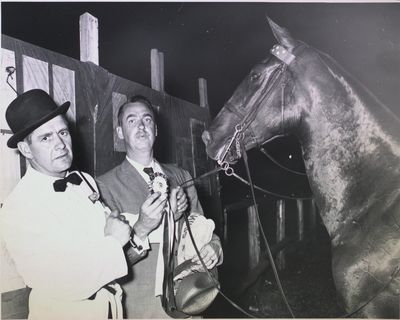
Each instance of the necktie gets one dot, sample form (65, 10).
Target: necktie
(61, 184)
(150, 172)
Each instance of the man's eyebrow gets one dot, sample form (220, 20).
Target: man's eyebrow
(131, 115)
(44, 134)
(63, 129)
(135, 115)
(148, 114)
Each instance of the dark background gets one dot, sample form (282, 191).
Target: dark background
(221, 42)
(217, 41)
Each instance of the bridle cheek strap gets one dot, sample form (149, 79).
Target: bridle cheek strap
(286, 57)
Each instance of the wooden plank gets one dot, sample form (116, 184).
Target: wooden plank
(6, 92)
(89, 38)
(313, 218)
(64, 90)
(117, 100)
(161, 72)
(280, 233)
(254, 237)
(203, 96)
(36, 74)
(300, 219)
(155, 70)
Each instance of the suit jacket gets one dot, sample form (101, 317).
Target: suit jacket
(125, 190)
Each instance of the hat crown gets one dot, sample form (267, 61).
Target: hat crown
(29, 111)
(28, 108)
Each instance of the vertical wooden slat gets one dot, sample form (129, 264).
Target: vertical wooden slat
(36, 74)
(155, 70)
(117, 100)
(89, 38)
(254, 237)
(313, 218)
(203, 92)
(300, 219)
(64, 89)
(161, 67)
(280, 233)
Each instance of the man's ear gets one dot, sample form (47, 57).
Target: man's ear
(24, 148)
(156, 131)
(120, 134)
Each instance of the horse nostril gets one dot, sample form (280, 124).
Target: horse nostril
(206, 137)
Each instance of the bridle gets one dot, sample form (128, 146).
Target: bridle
(286, 58)
(278, 76)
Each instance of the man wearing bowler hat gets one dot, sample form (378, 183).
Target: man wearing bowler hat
(66, 246)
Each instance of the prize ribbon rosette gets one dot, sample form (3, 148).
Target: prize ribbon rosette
(159, 183)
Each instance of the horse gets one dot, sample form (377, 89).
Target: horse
(350, 144)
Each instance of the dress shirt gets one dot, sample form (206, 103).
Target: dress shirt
(156, 236)
(57, 242)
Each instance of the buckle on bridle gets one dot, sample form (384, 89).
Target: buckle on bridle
(282, 54)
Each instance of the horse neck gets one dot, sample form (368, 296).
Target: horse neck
(351, 154)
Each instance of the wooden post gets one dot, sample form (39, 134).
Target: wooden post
(157, 70)
(89, 38)
(313, 219)
(280, 233)
(203, 92)
(254, 237)
(161, 66)
(300, 219)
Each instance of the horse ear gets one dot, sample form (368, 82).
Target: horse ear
(282, 35)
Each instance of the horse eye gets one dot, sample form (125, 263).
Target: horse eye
(255, 76)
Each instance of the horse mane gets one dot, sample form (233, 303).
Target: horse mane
(362, 90)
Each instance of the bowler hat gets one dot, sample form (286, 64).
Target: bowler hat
(29, 111)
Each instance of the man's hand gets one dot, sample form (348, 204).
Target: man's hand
(210, 254)
(150, 214)
(117, 227)
(178, 202)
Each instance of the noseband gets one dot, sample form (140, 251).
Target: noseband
(286, 58)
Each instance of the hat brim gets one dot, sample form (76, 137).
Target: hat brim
(20, 135)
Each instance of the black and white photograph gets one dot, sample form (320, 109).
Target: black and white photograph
(199, 160)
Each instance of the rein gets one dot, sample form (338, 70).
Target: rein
(249, 117)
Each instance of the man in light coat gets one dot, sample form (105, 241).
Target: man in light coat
(66, 246)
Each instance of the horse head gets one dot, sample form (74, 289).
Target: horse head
(351, 150)
(263, 94)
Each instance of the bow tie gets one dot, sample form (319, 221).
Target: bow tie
(61, 184)
(150, 172)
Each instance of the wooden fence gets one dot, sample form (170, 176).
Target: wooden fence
(95, 95)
